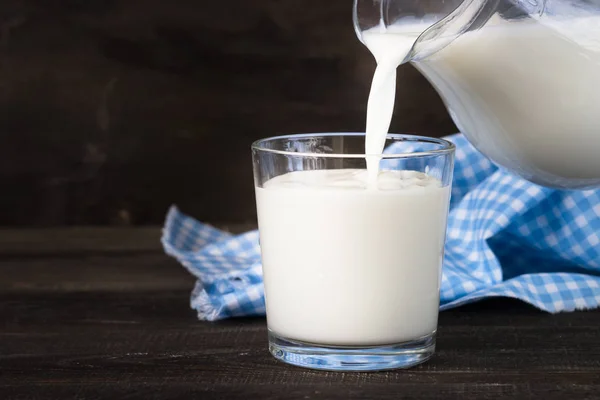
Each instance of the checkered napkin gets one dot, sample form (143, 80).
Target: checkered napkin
(506, 237)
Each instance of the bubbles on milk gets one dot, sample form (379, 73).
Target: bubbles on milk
(353, 179)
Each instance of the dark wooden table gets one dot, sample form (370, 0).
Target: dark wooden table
(102, 313)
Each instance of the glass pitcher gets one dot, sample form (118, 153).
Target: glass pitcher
(520, 78)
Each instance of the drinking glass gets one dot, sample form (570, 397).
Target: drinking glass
(352, 268)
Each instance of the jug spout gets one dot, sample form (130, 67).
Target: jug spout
(433, 24)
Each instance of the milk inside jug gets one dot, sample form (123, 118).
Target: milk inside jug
(520, 79)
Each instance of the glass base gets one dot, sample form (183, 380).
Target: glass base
(371, 358)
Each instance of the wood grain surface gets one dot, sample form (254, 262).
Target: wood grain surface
(94, 325)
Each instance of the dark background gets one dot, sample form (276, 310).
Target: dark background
(111, 110)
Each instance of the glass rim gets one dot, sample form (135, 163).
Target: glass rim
(447, 146)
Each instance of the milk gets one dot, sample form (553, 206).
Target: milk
(525, 92)
(347, 264)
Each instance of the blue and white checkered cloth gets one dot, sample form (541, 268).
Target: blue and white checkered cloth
(506, 237)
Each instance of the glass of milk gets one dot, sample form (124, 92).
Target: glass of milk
(352, 260)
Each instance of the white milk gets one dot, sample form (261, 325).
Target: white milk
(349, 265)
(389, 46)
(527, 93)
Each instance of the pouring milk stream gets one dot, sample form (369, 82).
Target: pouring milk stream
(389, 46)
(524, 88)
